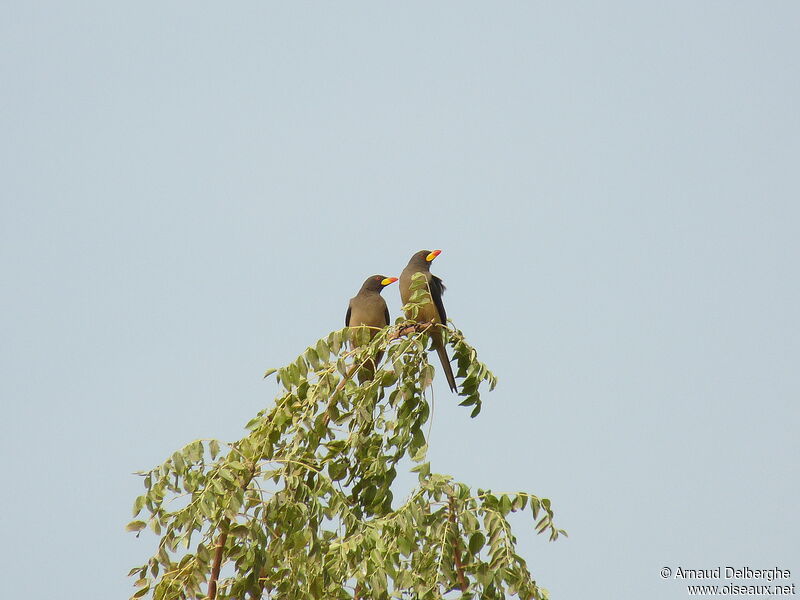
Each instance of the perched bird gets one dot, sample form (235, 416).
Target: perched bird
(368, 308)
(430, 311)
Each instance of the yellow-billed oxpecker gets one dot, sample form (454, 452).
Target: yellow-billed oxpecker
(432, 310)
(369, 308)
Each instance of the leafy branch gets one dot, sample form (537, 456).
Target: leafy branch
(303, 506)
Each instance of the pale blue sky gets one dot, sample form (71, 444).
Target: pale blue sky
(191, 192)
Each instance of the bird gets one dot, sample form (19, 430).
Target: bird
(369, 308)
(430, 311)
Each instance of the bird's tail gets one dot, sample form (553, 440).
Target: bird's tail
(448, 370)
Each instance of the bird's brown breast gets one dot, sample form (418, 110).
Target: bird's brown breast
(368, 310)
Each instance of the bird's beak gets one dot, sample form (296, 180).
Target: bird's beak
(433, 255)
(388, 280)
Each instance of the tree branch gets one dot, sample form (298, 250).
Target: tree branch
(215, 567)
(223, 537)
(462, 582)
(410, 328)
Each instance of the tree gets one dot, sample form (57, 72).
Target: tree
(302, 506)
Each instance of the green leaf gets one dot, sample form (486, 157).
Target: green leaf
(302, 366)
(505, 505)
(213, 448)
(476, 542)
(335, 341)
(155, 526)
(269, 372)
(177, 460)
(424, 470)
(542, 524)
(405, 544)
(323, 351)
(138, 504)
(337, 470)
(254, 422)
(469, 401)
(313, 358)
(535, 507)
(420, 454)
(135, 526)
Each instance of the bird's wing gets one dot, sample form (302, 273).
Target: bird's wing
(437, 289)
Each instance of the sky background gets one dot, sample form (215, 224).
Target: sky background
(191, 192)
